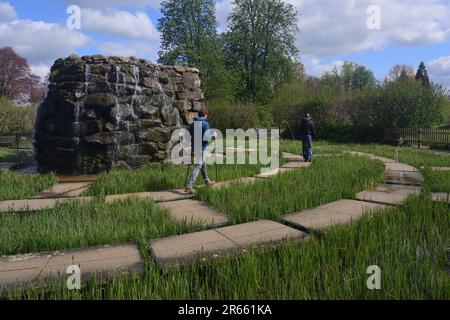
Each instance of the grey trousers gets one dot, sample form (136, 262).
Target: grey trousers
(197, 169)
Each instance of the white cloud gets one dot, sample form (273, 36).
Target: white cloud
(439, 71)
(114, 3)
(316, 68)
(119, 23)
(40, 42)
(223, 10)
(40, 70)
(7, 12)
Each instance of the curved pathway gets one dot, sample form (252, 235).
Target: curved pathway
(22, 271)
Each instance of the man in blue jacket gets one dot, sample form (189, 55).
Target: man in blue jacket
(307, 134)
(200, 137)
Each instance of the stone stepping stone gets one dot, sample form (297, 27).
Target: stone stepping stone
(269, 174)
(371, 156)
(389, 194)
(440, 169)
(441, 197)
(74, 179)
(335, 213)
(220, 185)
(290, 157)
(36, 204)
(177, 250)
(160, 196)
(404, 177)
(22, 271)
(396, 166)
(295, 165)
(193, 211)
(62, 190)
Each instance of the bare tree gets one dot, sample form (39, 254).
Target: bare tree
(399, 72)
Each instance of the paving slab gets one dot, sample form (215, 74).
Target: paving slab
(404, 177)
(196, 212)
(389, 195)
(440, 168)
(36, 204)
(269, 174)
(37, 270)
(160, 196)
(83, 178)
(71, 189)
(290, 157)
(177, 250)
(246, 180)
(396, 166)
(295, 165)
(371, 156)
(441, 197)
(260, 233)
(334, 213)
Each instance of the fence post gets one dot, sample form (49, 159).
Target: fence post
(420, 138)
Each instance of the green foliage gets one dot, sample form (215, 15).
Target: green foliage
(16, 119)
(260, 46)
(225, 116)
(14, 186)
(422, 75)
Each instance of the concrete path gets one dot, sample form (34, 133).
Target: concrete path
(196, 212)
(33, 205)
(389, 194)
(335, 213)
(36, 270)
(159, 196)
(66, 190)
(200, 246)
(404, 177)
(441, 197)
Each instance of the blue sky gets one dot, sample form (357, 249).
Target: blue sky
(332, 31)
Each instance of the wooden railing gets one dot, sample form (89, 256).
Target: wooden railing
(418, 136)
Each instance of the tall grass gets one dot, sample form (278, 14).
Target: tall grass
(410, 244)
(14, 186)
(437, 181)
(76, 225)
(327, 180)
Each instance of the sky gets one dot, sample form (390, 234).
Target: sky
(375, 33)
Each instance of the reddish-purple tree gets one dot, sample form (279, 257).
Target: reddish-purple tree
(16, 79)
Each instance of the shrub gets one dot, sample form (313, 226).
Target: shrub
(233, 116)
(16, 119)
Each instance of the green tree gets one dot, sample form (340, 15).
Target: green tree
(422, 75)
(189, 37)
(260, 46)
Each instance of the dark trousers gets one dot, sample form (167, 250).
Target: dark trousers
(307, 144)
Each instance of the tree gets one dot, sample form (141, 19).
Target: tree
(400, 72)
(260, 45)
(189, 36)
(351, 76)
(422, 75)
(16, 79)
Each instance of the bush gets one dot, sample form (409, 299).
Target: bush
(234, 116)
(16, 119)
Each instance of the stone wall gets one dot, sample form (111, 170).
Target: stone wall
(103, 113)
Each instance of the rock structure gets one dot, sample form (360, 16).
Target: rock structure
(103, 113)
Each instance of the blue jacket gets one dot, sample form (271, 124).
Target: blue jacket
(205, 128)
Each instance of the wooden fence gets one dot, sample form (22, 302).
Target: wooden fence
(418, 136)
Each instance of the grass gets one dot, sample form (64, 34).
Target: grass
(76, 225)
(413, 156)
(157, 177)
(437, 181)
(410, 244)
(14, 186)
(327, 180)
(12, 155)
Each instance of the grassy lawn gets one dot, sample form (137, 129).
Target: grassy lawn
(11, 155)
(76, 225)
(156, 177)
(410, 244)
(327, 180)
(437, 181)
(14, 186)
(413, 156)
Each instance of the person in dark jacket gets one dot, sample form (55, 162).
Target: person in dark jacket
(307, 134)
(199, 153)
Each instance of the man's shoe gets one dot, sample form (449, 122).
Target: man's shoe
(210, 184)
(189, 191)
